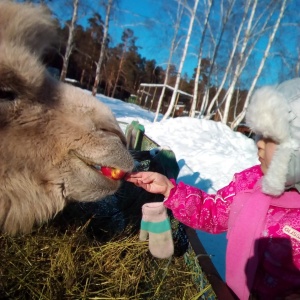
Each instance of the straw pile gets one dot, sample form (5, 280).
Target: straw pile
(48, 264)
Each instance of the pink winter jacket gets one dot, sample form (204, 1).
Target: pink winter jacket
(263, 232)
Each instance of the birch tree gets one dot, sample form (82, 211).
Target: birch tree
(216, 43)
(297, 66)
(258, 28)
(187, 41)
(253, 32)
(70, 42)
(128, 42)
(241, 116)
(103, 47)
(180, 9)
(230, 60)
(243, 44)
(238, 68)
(198, 70)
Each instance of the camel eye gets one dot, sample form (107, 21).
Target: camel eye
(7, 95)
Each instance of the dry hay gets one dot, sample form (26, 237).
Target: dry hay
(51, 265)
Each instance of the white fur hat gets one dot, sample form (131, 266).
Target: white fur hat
(274, 112)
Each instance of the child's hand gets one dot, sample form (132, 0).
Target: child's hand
(152, 182)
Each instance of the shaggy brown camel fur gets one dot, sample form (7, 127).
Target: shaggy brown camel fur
(54, 137)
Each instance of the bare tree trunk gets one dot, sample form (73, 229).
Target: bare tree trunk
(216, 49)
(297, 67)
(187, 41)
(70, 45)
(204, 102)
(244, 58)
(103, 48)
(238, 68)
(119, 71)
(179, 16)
(229, 64)
(118, 76)
(241, 116)
(196, 85)
(82, 76)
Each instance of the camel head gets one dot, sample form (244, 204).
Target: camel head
(54, 137)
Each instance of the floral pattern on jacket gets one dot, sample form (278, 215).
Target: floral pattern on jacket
(209, 212)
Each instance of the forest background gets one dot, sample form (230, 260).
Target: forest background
(216, 51)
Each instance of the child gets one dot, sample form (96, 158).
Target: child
(260, 208)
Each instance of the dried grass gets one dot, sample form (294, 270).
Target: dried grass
(50, 265)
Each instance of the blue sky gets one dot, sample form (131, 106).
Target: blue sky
(152, 24)
(148, 20)
(151, 21)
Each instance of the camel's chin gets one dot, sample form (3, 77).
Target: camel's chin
(88, 193)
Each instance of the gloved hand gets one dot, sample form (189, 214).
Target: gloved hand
(156, 223)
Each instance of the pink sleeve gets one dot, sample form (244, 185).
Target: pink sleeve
(208, 212)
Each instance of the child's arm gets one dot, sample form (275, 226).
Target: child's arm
(209, 212)
(192, 206)
(199, 210)
(189, 205)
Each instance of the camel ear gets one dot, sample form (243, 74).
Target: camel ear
(27, 25)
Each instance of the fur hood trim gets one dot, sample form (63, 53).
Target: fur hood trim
(274, 112)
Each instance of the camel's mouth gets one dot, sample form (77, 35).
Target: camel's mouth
(112, 173)
(109, 172)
